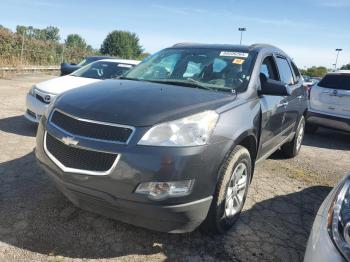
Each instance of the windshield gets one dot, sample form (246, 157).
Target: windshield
(217, 69)
(102, 70)
(84, 62)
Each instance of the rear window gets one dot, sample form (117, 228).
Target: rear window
(336, 82)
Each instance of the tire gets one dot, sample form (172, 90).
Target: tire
(219, 219)
(292, 148)
(310, 129)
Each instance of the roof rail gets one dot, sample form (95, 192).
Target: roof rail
(262, 45)
(184, 44)
(342, 71)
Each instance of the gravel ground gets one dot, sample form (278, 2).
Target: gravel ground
(37, 223)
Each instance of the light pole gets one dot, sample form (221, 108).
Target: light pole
(336, 60)
(241, 29)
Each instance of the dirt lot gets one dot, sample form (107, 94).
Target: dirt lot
(37, 223)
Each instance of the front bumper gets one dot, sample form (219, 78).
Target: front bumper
(113, 195)
(329, 121)
(35, 107)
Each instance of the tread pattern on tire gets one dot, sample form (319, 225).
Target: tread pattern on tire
(213, 223)
(289, 149)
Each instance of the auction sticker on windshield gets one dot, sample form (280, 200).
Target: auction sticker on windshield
(235, 54)
(238, 61)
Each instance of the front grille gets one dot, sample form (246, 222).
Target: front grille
(78, 158)
(41, 99)
(91, 129)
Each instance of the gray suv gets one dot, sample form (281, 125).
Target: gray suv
(173, 144)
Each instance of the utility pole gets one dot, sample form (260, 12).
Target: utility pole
(62, 56)
(22, 48)
(241, 29)
(336, 60)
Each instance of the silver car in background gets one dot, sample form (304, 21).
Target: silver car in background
(329, 239)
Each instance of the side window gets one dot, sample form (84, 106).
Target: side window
(285, 71)
(268, 68)
(296, 72)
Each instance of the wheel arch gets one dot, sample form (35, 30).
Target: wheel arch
(249, 140)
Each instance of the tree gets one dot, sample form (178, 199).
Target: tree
(122, 44)
(345, 67)
(75, 41)
(4, 28)
(315, 71)
(143, 56)
(76, 48)
(49, 33)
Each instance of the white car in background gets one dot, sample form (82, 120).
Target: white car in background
(329, 104)
(40, 95)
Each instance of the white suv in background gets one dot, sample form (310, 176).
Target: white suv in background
(40, 95)
(329, 104)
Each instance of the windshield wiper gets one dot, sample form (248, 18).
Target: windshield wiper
(199, 84)
(191, 83)
(126, 78)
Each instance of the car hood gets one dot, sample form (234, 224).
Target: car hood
(138, 103)
(61, 84)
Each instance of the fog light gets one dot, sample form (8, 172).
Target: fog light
(162, 190)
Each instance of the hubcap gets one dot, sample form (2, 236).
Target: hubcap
(300, 135)
(236, 190)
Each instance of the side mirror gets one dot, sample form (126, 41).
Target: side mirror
(273, 87)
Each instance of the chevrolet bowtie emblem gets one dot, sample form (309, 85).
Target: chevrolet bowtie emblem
(69, 141)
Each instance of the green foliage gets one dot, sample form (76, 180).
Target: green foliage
(75, 41)
(122, 44)
(39, 47)
(35, 51)
(52, 33)
(3, 27)
(345, 67)
(76, 48)
(315, 71)
(35, 46)
(49, 33)
(143, 56)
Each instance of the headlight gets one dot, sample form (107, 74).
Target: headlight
(193, 130)
(32, 90)
(339, 219)
(50, 107)
(162, 190)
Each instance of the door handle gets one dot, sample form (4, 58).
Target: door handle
(282, 104)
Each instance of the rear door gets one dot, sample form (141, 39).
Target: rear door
(332, 95)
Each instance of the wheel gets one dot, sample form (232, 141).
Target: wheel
(231, 192)
(292, 148)
(310, 128)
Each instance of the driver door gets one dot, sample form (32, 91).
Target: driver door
(273, 111)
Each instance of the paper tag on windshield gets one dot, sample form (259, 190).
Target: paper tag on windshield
(235, 54)
(125, 65)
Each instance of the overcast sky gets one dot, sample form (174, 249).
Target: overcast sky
(308, 30)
